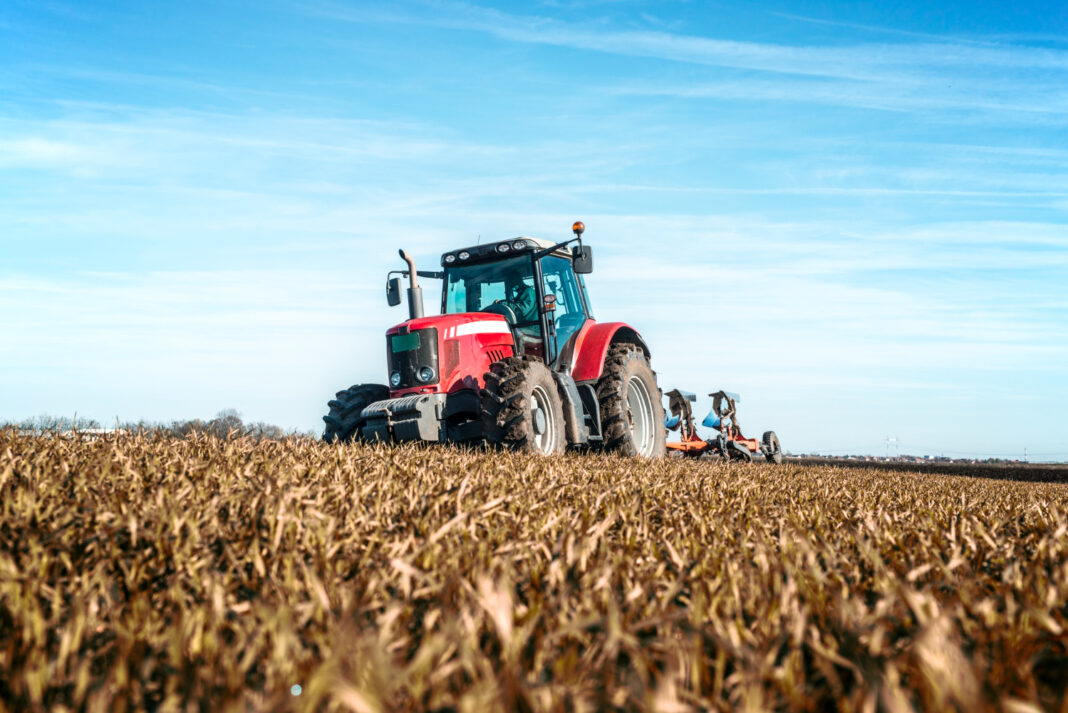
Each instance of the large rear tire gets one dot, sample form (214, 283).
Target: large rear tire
(521, 407)
(632, 415)
(772, 449)
(343, 423)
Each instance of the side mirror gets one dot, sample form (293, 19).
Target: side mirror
(582, 259)
(393, 292)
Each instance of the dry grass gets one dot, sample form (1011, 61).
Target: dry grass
(214, 575)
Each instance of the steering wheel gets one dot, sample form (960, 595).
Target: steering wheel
(502, 308)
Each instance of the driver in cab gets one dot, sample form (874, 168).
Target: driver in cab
(520, 297)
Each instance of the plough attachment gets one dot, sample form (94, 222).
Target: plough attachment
(728, 443)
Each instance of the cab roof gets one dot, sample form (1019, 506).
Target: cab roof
(488, 252)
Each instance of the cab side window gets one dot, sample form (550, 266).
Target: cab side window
(559, 281)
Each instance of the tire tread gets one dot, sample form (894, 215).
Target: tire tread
(343, 421)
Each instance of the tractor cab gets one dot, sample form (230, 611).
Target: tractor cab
(534, 284)
(515, 358)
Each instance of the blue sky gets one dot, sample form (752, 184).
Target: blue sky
(854, 215)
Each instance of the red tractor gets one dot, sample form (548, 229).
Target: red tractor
(514, 359)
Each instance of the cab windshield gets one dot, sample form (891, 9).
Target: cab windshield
(473, 288)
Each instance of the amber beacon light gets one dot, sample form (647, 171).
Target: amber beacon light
(578, 228)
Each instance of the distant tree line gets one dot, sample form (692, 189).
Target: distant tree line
(226, 422)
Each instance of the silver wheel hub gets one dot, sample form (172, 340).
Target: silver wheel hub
(538, 416)
(640, 417)
(543, 420)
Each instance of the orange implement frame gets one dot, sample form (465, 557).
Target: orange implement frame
(692, 447)
(695, 447)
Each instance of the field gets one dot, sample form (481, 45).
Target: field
(211, 574)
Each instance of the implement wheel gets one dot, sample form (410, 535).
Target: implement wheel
(521, 407)
(772, 450)
(343, 423)
(632, 416)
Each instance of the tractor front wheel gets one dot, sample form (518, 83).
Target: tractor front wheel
(632, 416)
(521, 407)
(343, 423)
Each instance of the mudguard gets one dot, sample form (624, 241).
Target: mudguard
(592, 345)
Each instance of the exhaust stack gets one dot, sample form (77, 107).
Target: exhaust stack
(415, 292)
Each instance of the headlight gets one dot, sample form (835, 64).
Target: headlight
(394, 379)
(519, 244)
(426, 374)
(464, 255)
(450, 258)
(503, 248)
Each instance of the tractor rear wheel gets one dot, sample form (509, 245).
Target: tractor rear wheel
(521, 407)
(632, 418)
(343, 423)
(772, 449)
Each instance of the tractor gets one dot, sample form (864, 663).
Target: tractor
(515, 359)
(729, 443)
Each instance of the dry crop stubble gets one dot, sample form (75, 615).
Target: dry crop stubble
(216, 574)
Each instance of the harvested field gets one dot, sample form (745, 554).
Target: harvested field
(206, 574)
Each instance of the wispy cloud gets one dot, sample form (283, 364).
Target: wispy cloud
(938, 73)
(1036, 101)
(862, 62)
(890, 31)
(33, 152)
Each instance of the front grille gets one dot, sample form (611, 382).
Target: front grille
(451, 359)
(495, 355)
(408, 353)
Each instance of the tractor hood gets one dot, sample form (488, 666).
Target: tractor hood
(445, 353)
(465, 322)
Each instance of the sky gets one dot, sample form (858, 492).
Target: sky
(855, 215)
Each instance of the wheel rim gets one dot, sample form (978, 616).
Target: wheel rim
(640, 416)
(541, 414)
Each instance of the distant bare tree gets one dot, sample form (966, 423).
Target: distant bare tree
(185, 428)
(141, 426)
(264, 430)
(46, 423)
(226, 422)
